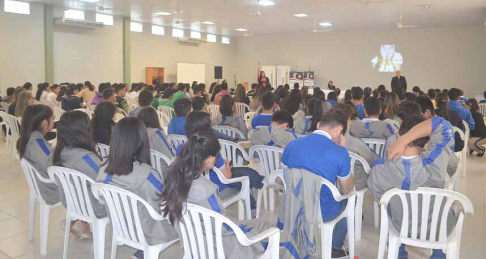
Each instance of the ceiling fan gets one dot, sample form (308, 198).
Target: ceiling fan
(370, 3)
(400, 25)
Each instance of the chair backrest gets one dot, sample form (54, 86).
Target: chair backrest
(58, 112)
(377, 145)
(124, 213)
(233, 152)
(77, 189)
(103, 150)
(168, 111)
(213, 110)
(248, 117)
(230, 131)
(123, 112)
(176, 140)
(118, 117)
(241, 109)
(357, 158)
(164, 120)
(4, 106)
(269, 158)
(159, 161)
(460, 132)
(441, 201)
(13, 124)
(87, 111)
(32, 175)
(482, 109)
(467, 133)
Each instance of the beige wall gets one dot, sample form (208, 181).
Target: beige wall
(433, 58)
(21, 48)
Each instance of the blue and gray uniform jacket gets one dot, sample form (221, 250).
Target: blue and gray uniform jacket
(272, 136)
(360, 148)
(372, 128)
(234, 121)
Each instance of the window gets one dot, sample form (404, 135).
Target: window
(211, 38)
(16, 7)
(195, 35)
(104, 18)
(158, 30)
(177, 33)
(136, 27)
(74, 14)
(225, 40)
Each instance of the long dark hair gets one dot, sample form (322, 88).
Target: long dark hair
(102, 122)
(473, 103)
(149, 117)
(40, 89)
(32, 120)
(315, 107)
(226, 106)
(73, 132)
(89, 85)
(211, 87)
(216, 90)
(197, 121)
(240, 94)
(292, 102)
(128, 144)
(186, 168)
(442, 103)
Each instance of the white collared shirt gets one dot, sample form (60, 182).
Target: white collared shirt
(370, 119)
(323, 133)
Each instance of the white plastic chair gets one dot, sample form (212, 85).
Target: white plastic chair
(3, 115)
(269, 158)
(241, 109)
(123, 112)
(199, 241)
(213, 110)
(118, 117)
(4, 106)
(103, 150)
(12, 126)
(248, 117)
(467, 133)
(44, 209)
(127, 228)
(176, 140)
(360, 196)
(58, 112)
(87, 111)
(230, 131)
(461, 155)
(423, 237)
(377, 145)
(482, 109)
(159, 161)
(168, 111)
(77, 191)
(163, 120)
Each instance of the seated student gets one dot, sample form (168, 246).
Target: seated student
(167, 99)
(37, 121)
(98, 97)
(199, 104)
(484, 100)
(314, 110)
(145, 99)
(220, 94)
(201, 121)
(120, 101)
(413, 166)
(9, 97)
(253, 90)
(357, 96)
(69, 101)
(240, 95)
(157, 138)
(478, 134)
(75, 149)
(109, 95)
(102, 123)
(319, 154)
(442, 105)
(185, 182)
(371, 126)
(332, 98)
(265, 117)
(226, 116)
(130, 169)
(456, 105)
(432, 94)
(357, 146)
(278, 134)
(176, 126)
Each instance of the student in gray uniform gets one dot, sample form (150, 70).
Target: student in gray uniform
(411, 166)
(186, 182)
(371, 126)
(75, 149)
(315, 108)
(358, 147)
(128, 167)
(157, 138)
(227, 117)
(278, 134)
(103, 122)
(36, 123)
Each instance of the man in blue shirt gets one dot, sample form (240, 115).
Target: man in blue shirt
(177, 125)
(456, 105)
(324, 154)
(357, 99)
(265, 118)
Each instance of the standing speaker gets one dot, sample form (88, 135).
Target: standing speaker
(218, 72)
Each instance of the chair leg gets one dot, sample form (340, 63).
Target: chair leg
(350, 221)
(271, 193)
(241, 210)
(358, 216)
(32, 216)
(326, 239)
(67, 230)
(247, 208)
(393, 247)
(259, 203)
(376, 211)
(114, 246)
(99, 230)
(150, 253)
(44, 227)
(265, 197)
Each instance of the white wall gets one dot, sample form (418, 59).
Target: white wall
(433, 58)
(21, 47)
(165, 51)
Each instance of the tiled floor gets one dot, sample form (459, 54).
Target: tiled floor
(14, 237)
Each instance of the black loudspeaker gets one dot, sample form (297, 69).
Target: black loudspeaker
(218, 72)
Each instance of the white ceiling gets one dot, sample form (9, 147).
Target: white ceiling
(345, 15)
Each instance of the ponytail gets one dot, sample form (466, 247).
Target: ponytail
(315, 107)
(32, 120)
(442, 104)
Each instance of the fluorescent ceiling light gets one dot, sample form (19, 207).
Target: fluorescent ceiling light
(208, 22)
(300, 15)
(325, 24)
(241, 29)
(424, 6)
(266, 3)
(162, 13)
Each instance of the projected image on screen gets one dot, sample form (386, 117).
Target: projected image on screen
(390, 60)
